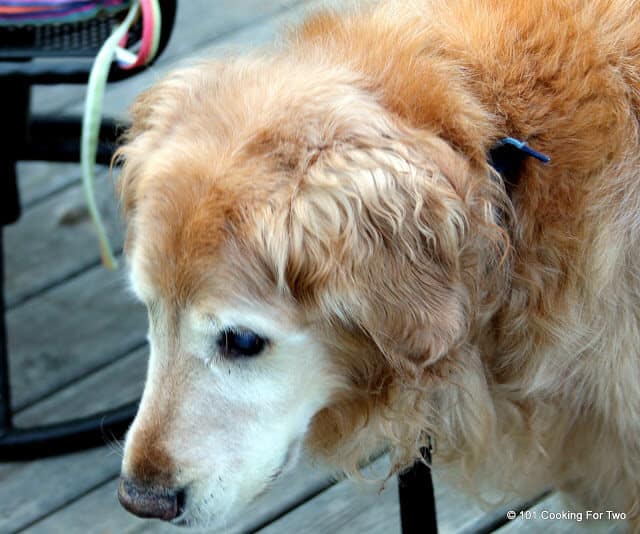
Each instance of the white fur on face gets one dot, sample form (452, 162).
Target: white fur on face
(230, 425)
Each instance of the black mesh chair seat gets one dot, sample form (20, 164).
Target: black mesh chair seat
(70, 39)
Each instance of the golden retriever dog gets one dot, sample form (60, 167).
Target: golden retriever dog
(331, 261)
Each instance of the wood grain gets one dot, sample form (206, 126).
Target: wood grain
(55, 239)
(69, 331)
(40, 179)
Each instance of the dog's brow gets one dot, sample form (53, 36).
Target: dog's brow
(205, 321)
(228, 320)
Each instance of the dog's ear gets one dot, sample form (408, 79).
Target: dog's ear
(396, 236)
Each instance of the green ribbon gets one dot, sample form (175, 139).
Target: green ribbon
(91, 128)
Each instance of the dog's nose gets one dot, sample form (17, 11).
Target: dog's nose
(150, 501)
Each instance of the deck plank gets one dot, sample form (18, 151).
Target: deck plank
(343, 508)
(56, 238)
(29, 490)
(350, 506)
(69, 331)
(40, 179)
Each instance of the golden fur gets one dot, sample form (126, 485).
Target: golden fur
(347, 175)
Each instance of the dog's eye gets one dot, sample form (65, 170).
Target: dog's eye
(242, 343)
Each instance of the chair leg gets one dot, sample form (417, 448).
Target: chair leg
(12, 137)
(417, 499)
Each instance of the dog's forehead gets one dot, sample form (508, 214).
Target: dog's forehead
(188, 233)
(200, 174)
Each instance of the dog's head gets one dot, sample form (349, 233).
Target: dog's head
(311, 268)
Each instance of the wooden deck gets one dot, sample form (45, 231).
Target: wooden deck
(77, 339)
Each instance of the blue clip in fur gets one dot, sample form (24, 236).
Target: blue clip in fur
(507, 157)
(523, 147)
